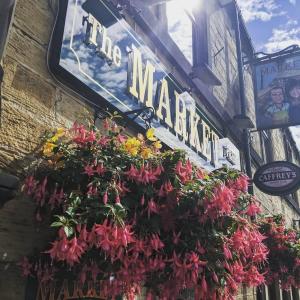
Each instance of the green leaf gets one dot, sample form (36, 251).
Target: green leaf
(69, 231)
(56, 224)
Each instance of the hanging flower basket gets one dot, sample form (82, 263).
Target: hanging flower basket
(284, 252)
(133, 216)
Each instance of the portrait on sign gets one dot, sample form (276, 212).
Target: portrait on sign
(278, 92)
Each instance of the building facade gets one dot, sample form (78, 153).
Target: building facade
(200, 53)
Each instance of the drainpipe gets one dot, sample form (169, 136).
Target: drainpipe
(243, 100)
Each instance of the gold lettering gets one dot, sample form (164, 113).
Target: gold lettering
(93, 28)
(164, 103)
(205, 145)
(194, 134)
(215, 145)
(117, 56)
(91, 290)
(180, 123)
(106, 44)
(145, 82)
(77, 293)
(43, 292)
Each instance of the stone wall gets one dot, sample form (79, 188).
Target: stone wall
(34, 102)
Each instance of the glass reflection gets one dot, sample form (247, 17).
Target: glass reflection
(84, 61)
(180, 25)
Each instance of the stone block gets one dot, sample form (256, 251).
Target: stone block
(35, 18)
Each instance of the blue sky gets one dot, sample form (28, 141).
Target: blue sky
(273, 25)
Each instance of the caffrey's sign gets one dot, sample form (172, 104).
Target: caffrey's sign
(96, 52)
(278, 178)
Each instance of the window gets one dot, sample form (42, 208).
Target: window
(266, 145)
(287, 148)
(180, 25)
(6, 11)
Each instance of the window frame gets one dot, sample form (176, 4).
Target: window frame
(7, 9)
(266, 146)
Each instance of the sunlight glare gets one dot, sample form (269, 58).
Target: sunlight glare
(188, 5)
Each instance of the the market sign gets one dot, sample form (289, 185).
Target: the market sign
(278, 178)
(96, 52)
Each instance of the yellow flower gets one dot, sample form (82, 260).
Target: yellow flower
(157, 145)
(53, 139)
(150, 135)
(48, 148)
(146, 153)
(132, 146)
(59, 133)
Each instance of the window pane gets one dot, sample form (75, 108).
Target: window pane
(180, 28)
(6, 8)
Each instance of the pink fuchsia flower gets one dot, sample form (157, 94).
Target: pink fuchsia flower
(156, 243)
(122, 189)
(260, 253)
(100, 169)
(83, 233)
(105, 198)
(95, 270)
(121, 138)
(117, 199)
(184, 172)
(26, 266)
(200, 174)
(103, 141)
(56, 198)
(40, 192)
(176, 237)
(29, 185)
(253, 277)
(152, 208)
(165, 189)
(227, 252)
(92, 190)
(237, 272)
(75, 251)
(221, 202)
(89, 170)
(242, 183)
(133, 173)
(91, 137)
(204, 285)
(253, 209)
(200, 248)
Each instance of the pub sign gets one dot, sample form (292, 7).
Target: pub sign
(278, 91)
(98, 54)
(278, 178)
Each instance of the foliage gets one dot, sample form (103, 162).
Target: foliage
(134, 216)
(284, 257)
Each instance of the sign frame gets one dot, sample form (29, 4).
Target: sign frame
(65, 77)
(277, 191)
(283, 55)
(102, 105)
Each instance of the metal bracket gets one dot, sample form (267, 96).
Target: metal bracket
(295, 223)
(146, 113)
(1, 80)
(262, 56)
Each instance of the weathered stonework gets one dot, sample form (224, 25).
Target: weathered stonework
(34, 102)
